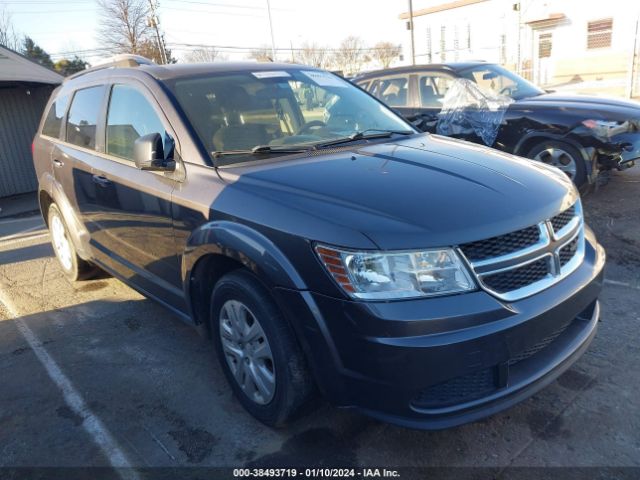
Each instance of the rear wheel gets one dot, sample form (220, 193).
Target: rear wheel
(258, 350)
(73, 267)
(562, 155)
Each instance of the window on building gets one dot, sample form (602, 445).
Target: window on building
(429, 46)
(599, 33)
(53, 121)
(83, 115)
(130, 117)
(443, 44)
(545, 43)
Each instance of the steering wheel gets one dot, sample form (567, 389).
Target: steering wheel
(306, 128)
(508, 90)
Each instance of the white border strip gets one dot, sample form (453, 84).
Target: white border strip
(92, 424)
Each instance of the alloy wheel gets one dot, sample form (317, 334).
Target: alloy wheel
(558, 158)
(247, 351)
(61, 242)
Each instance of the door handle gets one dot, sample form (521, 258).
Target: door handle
(101, 180)
(58, 163)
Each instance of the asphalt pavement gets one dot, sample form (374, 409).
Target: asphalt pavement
(95, 375)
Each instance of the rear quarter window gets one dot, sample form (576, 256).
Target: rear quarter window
(82, 119)
(53, 120)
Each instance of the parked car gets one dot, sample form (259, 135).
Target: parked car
(488, 104)
(421, 280)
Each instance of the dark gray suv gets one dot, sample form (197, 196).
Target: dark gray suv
(320, 240)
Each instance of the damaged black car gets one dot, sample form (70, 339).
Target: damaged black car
(487, 104)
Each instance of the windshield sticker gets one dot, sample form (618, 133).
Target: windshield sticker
(272, 74)
(325, 79)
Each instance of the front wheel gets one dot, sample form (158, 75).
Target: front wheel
(562, 155)
(258, 350)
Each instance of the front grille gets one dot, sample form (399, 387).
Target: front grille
(568, 251)
(562, 219)
(502, 244)
(457, 390)
(532, 350)
(518, 277)
(537, 256)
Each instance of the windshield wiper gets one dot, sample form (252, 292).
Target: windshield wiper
(363, 135)
(258, 150)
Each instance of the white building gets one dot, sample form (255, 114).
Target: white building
(552, 42)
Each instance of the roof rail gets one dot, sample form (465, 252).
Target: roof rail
(122, 60)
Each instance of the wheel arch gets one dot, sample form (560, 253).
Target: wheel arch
(218, 248)
(527, 142)
(50, 191)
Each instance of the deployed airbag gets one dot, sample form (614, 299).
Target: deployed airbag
(467, 110)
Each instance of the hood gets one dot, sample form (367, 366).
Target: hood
(605, 106)
(424, 191)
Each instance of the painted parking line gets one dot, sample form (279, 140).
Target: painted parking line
(91, 423)
(621, 284)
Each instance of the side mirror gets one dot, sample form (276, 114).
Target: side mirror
(148, 153)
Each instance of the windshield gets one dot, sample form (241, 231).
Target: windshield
(495, 79)
(280, 108)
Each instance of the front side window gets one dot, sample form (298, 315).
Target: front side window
(83, 116)
(433, 87)
(130, 117)
(240, 111)
(53, 120)
(496, 80)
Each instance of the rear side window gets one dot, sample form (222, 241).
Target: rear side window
(53, 121)
(83, 115)
(130, 117)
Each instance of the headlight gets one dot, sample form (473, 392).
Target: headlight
(395, 275)
(606, 129)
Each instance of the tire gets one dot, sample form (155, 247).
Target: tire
(562, 155)
(292, 385)
(73, 267)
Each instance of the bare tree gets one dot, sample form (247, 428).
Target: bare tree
(350, 55)
(385, 53)
(314, 54)
(123, 25)
(8, 35)
(262, 54)
(204, 55)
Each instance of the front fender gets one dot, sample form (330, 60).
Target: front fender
(245, 245)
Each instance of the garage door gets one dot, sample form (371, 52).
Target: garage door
(20, 111)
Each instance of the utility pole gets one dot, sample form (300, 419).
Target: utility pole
(153, 22)
(273, 43)
(413, 42)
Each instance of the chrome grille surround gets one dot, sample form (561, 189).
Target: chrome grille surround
(547, 249)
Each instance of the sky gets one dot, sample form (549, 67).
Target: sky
(61, 26)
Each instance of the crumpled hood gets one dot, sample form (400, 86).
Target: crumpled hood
(423, 191)
(604, 107)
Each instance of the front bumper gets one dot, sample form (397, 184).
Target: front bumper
(440, 362)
